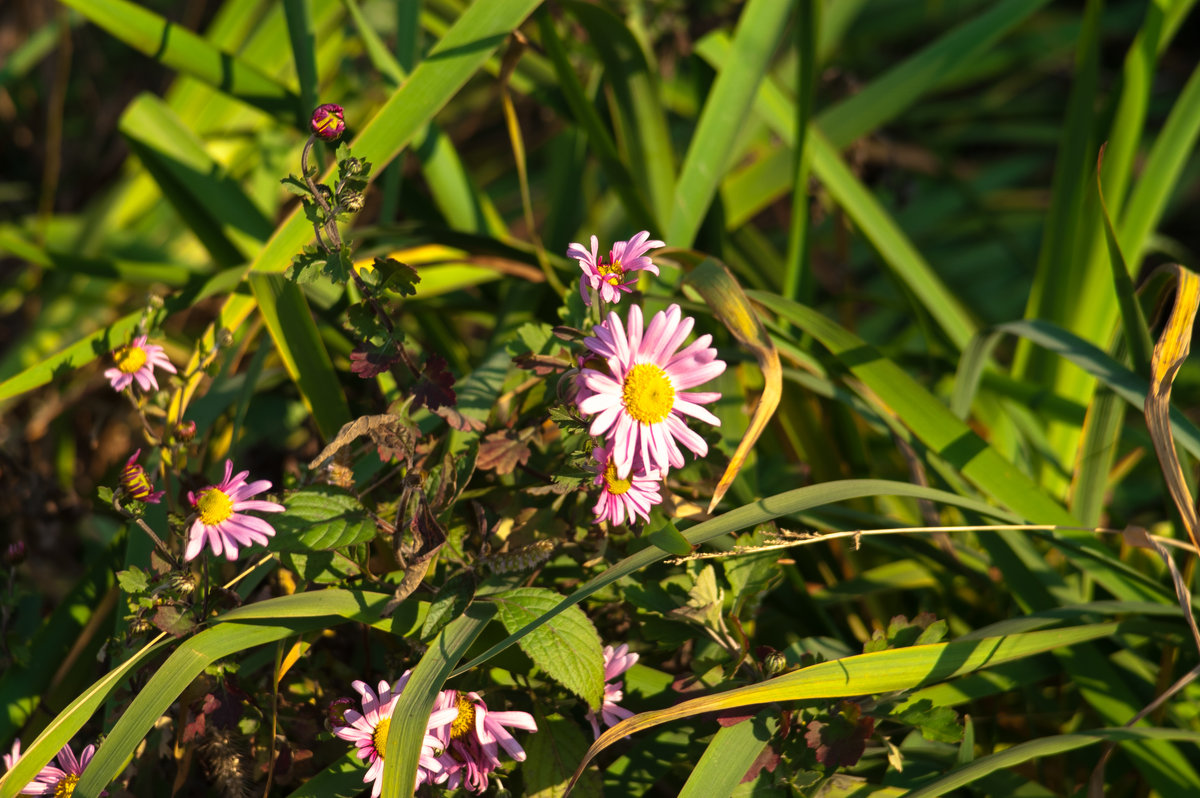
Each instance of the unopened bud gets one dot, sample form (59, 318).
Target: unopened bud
(224, 337)
(14, 554)
(337, 711)
(136, 483)
(328, 121)
(353, 201)
(352, 166)
(774, 663)
(185, 431)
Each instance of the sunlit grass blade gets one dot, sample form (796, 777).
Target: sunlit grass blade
(759, 31)
(183, 51)
(730, 754)
(1170, 352)
(746, 517)
(289, 320)
(342, 779)
(729, 304)
(1137, 335)
(864, 674)
(411, 713)
(298, 614)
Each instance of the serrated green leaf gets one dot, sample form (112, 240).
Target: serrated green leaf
(321, 518)
(937, 724)
(567, 648)
(133, 580)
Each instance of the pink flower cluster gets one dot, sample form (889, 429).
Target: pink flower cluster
(635, 384)
(462, 741)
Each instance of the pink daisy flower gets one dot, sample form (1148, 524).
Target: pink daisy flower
(640, 406)
(219, 520)
(368, 731)
(619, 275)
(56, 779)
(136, 483)
(632, 496)
(616, 661)
(136, 360)
(472, 735)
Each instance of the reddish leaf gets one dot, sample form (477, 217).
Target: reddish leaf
(501, 452)
(436, 387)
(368, 364)
(768, 759)
(841, 742)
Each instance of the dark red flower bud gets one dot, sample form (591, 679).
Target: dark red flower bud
(328, 121)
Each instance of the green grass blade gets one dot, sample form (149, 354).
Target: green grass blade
(208, 200)
(183, 51)
(411, 713)
(640, 119)
(303, 41)
(746, 517)
(758, 33)
(798, 281)
(1049, 746)
(342, 779)
(615, 170)
(888, 95)
(730, 754)
(289, 320)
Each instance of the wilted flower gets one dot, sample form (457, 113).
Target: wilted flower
(619, 275)
(136, 483)
(55, 779)
(472, 736)
(368, 730)
(620, 497)
(219, 520)
(640, 406)
(328, 121)
(136, 360)
(616, 661)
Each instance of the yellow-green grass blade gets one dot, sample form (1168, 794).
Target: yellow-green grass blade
(138, 272)
(730, 754)
(69, 721)
(292, 615)
(586, 117)
(865, 674)
(759, 31)
(208, 200)
(183, 51)
(285, 311)
(1042, 747)
(411, 713)
(639, 116)
(798, 281)
(746, 517)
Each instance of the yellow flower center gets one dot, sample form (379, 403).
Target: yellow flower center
(615, 486)
(379, 738)
(648, 393)
(612, 272)
(215, 506)
(129, 358)
(66, 786)
(464, 724)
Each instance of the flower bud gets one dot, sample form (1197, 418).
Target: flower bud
(328, 122)
(185, 431)
(353, 201)
(136, 483)
(352, 166)
(774, 663)
(14, 554)
(337, 711)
